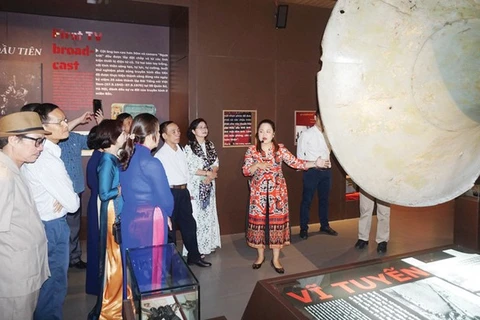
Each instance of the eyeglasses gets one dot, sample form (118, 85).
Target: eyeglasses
(38, 141)
(201, 128)
(59, 122)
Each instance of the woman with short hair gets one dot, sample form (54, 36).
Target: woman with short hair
(110, 137)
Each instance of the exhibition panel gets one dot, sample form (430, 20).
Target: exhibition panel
(439, 284)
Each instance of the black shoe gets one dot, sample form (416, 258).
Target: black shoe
(382, 247)
(200, 262)
(304, 234)
(258, 265)
(361, 244)
(329, 231)
(278, 270)
(79, 265)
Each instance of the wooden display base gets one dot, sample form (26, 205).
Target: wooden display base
(467, 222)
(379, 288)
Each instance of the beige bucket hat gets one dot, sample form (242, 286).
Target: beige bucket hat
(20, 123)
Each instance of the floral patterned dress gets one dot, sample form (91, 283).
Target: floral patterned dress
(272, 230)
(204, 204)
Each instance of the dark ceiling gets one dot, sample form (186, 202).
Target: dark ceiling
(108, 10)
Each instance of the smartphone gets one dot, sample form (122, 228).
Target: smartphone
(97, 105)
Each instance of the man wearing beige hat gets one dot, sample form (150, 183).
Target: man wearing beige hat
(54, 197)
(23, 244)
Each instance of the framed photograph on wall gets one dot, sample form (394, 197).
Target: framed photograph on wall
(20, 83)
(304, 119)
(239, 128)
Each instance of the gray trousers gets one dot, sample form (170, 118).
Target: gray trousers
(367, 203)
(14, 308)
(74, 221)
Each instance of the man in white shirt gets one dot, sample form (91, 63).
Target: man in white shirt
(311, 145)
(23, 244)
(175, 164)
(367, 203)
(54, 197)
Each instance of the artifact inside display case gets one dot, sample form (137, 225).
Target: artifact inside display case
(439, 285)
(162, 284)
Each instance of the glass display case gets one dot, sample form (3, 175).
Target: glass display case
(433, 284)
(162, 285)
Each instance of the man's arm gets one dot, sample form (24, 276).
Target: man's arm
(85, 118)
(82, 141)
(59, 185)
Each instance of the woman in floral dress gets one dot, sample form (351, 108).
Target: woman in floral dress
(202, 162)
(263, 162)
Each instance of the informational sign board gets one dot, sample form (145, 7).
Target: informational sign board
(239, 128)
(303, 121)
(434, 286)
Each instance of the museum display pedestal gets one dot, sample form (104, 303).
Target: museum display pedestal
(439, 283)
(162, 285)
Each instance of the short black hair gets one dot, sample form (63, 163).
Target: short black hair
(107, 133)
(44, 109)
(30, 107)
(92, 140)
(122, 116)
(163, 128)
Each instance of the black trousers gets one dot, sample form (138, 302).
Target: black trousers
(183, 219)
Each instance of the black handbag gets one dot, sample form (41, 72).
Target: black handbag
(117, 232)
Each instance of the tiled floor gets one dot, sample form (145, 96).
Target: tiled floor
(226, 286)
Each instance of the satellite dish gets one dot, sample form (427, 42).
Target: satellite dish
(399, 95)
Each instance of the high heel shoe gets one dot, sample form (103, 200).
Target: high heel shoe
(258, 265)
(278, 270)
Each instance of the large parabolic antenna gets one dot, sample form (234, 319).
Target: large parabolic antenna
(399, 95)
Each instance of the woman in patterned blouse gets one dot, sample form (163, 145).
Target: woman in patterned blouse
(263, 162)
